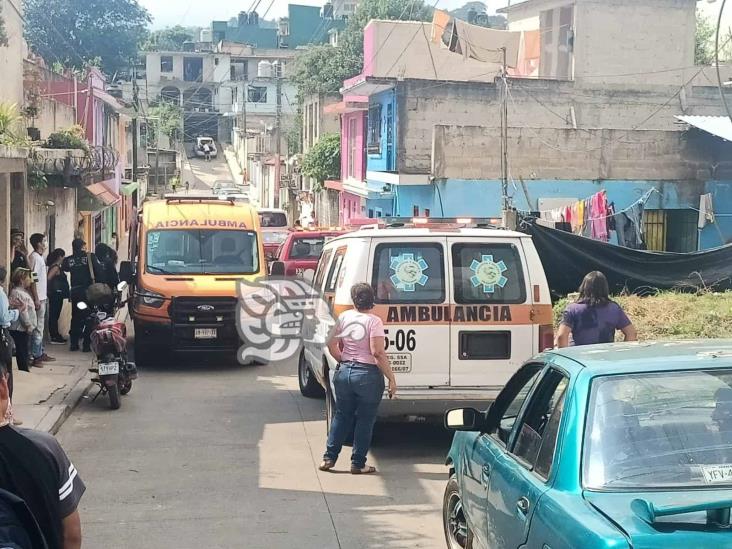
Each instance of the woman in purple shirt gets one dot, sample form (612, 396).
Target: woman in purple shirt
(358, 346)
(594, 317)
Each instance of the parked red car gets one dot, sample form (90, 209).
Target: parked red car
(300, 252)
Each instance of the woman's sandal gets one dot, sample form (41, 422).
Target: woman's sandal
(327, 465)
(368, 470)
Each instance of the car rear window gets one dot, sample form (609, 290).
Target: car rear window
(272, 219)
(409, 273)
(659, 430)
(307, 248)
(488, 273)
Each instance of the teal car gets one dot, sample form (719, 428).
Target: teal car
(622, 446)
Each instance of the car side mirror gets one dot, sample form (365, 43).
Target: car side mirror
(127, 272)
(277, 268)
(465, 419)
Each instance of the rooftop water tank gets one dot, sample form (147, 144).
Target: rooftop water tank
(264, 69)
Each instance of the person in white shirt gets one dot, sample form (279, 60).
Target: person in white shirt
(38, 266)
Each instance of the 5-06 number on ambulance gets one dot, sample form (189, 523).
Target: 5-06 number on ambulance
(401, 362)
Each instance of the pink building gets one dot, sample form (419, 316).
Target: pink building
(352, 186)
(102, 202)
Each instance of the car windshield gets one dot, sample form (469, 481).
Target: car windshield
(307, 248)
(659, 430)
(202, 252)
(274, 237)
(272, 219)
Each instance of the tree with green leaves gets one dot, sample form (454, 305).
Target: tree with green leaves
(322, 69)
(169, 39)
(169, 118)
(323, 161)
(81, 32)
(3, 33)
(706, 32)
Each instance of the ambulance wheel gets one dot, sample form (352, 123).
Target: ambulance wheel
(309, 386)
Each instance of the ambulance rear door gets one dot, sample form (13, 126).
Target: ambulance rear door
(410, 278)
(491, 330)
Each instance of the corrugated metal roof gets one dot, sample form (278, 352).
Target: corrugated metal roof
(721, 126)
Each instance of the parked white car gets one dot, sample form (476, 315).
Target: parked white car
(200, 149)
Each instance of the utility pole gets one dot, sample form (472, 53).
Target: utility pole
(157, 157)
(278, 124)
(505, 202)
(136, 106)
(245, 160)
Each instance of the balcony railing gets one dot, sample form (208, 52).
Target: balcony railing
(74, 167)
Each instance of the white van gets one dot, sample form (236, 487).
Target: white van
(463, 306)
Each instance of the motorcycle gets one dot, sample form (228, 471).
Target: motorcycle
(109, 345)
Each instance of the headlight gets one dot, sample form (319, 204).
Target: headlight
(148, 298)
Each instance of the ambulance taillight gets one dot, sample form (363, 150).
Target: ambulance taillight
(546, 337)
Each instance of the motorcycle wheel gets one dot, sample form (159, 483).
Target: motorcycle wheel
(126, 387)
(114, 401)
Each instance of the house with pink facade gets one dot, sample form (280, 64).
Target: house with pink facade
(103, 202)
(352, 191)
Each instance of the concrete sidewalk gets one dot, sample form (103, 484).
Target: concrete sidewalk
(44, 397)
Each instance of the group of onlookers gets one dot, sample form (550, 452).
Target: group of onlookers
(34, 469)
(37, 288)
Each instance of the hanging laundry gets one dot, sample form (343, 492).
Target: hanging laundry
(483, 44)
(580, 217)
(706, 210)
(635, 214)
(598, 217)
(629, 228)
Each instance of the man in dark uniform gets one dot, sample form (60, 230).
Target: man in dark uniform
(81, 278)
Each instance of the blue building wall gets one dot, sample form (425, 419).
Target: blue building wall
(384, 160)
(455, 198)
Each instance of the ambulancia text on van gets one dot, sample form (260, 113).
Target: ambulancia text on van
(463, 306)
(187, 254)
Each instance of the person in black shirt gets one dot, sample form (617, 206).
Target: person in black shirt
(85, 270)
(35, 468)
(108, 260)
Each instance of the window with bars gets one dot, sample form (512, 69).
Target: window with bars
(671, 230)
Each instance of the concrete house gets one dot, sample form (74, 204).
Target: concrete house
(593, 115)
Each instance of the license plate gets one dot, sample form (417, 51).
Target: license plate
(108, 368)
(717, 474)
(205, 333)
(401, 363)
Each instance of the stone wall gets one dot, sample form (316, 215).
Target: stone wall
(535, 104)
(473, 152)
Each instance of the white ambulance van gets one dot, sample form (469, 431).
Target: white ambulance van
(464, 304)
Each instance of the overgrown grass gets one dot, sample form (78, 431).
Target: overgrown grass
(672, 315)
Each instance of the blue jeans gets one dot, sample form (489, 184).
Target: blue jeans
(37, 350)
(359, 389)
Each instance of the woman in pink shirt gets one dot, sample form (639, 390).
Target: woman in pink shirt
(358, 346)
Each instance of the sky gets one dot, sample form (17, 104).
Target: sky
(196, 13)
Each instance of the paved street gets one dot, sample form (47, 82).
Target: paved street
(202, 175)
(225, 456)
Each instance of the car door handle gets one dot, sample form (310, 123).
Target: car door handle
(485, 475)
(523, 505)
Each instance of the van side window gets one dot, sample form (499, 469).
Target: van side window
(322, 266)
(335, 269)
(409, 273)
(488, 273)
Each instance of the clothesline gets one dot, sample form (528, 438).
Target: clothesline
(642, 200)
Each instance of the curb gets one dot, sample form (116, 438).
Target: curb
(58, 414)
